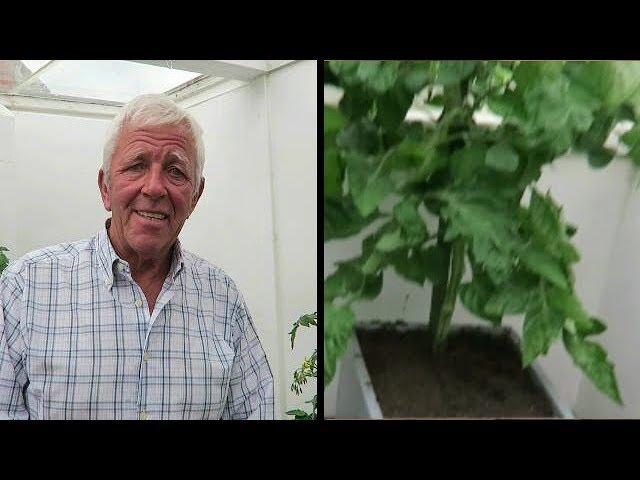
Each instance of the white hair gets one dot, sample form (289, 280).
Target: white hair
(153, 110)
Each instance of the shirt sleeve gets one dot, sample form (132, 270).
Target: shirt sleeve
(13, 378)
(251, 389)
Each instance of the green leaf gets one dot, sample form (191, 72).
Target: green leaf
(342, 219)
(368, 179)
(361, 136)
(368, 193)
(614, 82)
(338, 327)
(347, 279)
(332, 174)
(452, 72)
(600, 157)
(489, 224)
(502, 157)
(570, 306)
(592, 360)
(333, 120)
(372, 286)
(414, 230)
(417, 75)
(476, 294)
(4, 261)
(542, 325)
(378, 75)
(297, 412)
(513, 296)
(374, 75)
(418, 265)
(390, 241)
(466, 162)
(392, 107)
(548, 228)
(540, 262)
(356, 103)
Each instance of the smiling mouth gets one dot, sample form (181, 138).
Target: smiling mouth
(153, 216)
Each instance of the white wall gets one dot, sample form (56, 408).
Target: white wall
(8, 231)
(593, 200)
(620, 304)
(50, 195)
(292, 109)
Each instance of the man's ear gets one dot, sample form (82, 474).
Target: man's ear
(104, 190)
(196, 197)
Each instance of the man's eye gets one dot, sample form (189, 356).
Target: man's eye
(175, 172)
(137, 167)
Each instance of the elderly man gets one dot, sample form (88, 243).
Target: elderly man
(128, 324)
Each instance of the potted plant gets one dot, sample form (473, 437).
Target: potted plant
(308, 369)
(4, 261)
(477, 182)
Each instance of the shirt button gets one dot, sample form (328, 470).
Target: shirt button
(107, 282)
(138, 303)
(120, 267)
(147, 356)
(144, 416)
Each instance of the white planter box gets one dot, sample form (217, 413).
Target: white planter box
(357, 399)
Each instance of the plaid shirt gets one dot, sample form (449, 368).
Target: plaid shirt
(77, 340)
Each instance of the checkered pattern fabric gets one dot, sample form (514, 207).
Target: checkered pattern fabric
(77, 340)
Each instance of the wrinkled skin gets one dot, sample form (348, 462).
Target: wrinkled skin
(152, 170)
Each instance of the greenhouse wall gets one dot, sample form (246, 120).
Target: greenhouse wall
(50, 195)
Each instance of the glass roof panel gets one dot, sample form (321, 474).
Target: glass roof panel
(107, 80)
(34, 65)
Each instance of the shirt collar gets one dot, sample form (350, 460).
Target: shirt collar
(109, 259)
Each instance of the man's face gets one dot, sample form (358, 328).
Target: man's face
(152, 189)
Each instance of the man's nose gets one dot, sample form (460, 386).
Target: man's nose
(154, 184)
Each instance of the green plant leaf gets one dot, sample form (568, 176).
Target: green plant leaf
(4, 261)
(361, 136)
(548, 228)
(333, 120)
(418, 265)
(372, 286)
(416, 75)
(513, 296)
(489, 225)
(390, 241)
(338, 327)
(570, 306)
(539, 261)
(502, 157)
(592, 360)
(413, 228)
(342, 219)
(392, 107)
(452, 72)
(347, 279)
(332, 174)
(475, 295)
(542, 325)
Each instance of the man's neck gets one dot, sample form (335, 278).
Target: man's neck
(144, 270)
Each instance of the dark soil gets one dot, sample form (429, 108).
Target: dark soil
(479, 374)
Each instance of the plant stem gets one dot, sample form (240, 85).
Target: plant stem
(439, 290)
(443, 296)
(449, 302)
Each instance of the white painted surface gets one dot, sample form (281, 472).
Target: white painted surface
(292, 111)
(48, 195)
(620, 305)
(8, 191)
